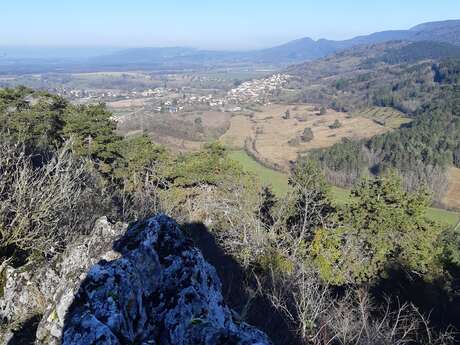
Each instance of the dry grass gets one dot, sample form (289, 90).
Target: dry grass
(177, 144)
(211, 119)
(241, 128)
(272, 133)
(178, 131)
(128, 103)
(106, 74)
(452, 197)
(390, 117)
(269, 132)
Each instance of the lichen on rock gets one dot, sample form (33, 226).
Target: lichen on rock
(161, 291)
(148, 286)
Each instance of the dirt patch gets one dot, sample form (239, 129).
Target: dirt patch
(178, 145)
(201, 127)
(128, 103)
(211, 119)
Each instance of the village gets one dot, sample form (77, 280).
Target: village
(172, 100)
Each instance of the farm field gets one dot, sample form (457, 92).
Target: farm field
(275, 130)
(278, 180)
(272, 133)
(279, 183)
(386, 116)
(240, 129)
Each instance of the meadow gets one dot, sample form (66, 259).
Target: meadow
(279, 183)
(275, 130)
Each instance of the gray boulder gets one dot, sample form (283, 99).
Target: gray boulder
(45, 290)
(161, 291)
(144, 285)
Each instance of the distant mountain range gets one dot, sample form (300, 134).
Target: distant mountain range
(301, 50)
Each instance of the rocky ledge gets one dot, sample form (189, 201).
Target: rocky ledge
(151, 287)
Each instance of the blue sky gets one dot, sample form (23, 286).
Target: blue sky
(233, 24)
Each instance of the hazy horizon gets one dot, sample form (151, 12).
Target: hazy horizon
(205, 24)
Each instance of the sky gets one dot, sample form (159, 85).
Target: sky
(217, 24)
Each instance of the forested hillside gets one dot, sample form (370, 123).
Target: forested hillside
(419, 79)
(420, 151)
(398, 74)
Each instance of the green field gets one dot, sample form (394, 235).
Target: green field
(279, 183)
(386, 116)
(277, 180)
(341, 196)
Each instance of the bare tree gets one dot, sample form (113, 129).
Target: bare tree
(322, 318)
(42, 207)
(302, 299)
(144, 199)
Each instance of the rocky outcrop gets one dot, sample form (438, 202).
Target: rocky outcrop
(153, 287)
(45, 290)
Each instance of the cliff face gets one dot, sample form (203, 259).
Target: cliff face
(153, 287)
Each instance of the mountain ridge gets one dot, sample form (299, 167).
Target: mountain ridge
(305, 48)
(297, 51)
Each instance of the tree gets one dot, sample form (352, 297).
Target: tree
(322, 111)
(456, 156)
(198, 121)
(336, 124)
(32, 118)
(92, 132)
(267, 204)
(341, 84)
(198, 124)
(309, 205)
(139, 154)
(210, 166)
(383, 226)
(307, 135)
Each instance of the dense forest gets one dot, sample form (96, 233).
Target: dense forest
(375, 271)
(417, 51)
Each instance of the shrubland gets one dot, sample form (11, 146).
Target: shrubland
(374, 271)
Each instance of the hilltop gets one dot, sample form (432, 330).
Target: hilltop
(397, 74)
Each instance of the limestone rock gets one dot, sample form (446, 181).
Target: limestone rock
(148, 286)
(48, 289)
(161, 291)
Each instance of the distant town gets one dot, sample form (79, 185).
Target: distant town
(172, 100)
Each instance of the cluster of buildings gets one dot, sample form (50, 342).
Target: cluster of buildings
(97, 95)
(254, 91)
(257, 90)
(173, 100)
